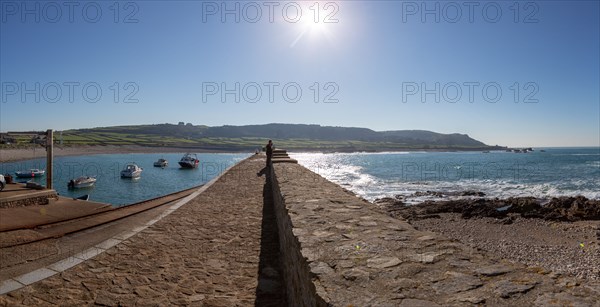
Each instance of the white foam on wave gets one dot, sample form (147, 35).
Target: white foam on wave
(578, 154)
(295, 155)
(370, 187)
(595, 164)
(351, 176)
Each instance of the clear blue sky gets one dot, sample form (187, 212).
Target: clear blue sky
(374, 57)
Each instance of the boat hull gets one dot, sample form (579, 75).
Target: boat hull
(131, 175)
(81, 183)
(188, 164)
(28, 175)
(83, 197)
(131, 171)
(84, 185)
(161, 163)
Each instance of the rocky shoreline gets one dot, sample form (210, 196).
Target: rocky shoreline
(561, 234)
(556, 209)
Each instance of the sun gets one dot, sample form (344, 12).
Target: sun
(314, 25)
(317, 20)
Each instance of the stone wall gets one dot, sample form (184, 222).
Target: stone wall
(340, 250)
(32, 201)
(297, 276)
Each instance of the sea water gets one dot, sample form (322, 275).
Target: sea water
(112, 189)
(555, 172)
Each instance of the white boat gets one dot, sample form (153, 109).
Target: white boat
(34, 172)
(131, 170)
(161, 163)
(189, 161)
(81, 182)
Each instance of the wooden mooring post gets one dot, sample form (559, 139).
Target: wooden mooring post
(49, 157)
(49, 151)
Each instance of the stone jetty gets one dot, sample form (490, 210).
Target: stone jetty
(281, 156)
(343, 251)
(286, 236)
(216, 250)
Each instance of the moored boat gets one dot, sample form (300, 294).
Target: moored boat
(81, 182)
(34, 172)
(82, 197)
(161, 163)
(131, 170)
(189, 161)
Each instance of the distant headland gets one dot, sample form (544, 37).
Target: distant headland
(297, 137)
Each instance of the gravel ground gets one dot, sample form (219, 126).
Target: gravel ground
(561, 247)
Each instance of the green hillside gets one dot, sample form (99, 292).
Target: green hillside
(289, 136)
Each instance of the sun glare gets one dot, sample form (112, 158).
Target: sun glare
(317, 20)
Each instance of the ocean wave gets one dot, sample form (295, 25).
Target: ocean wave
(452, 190)
(341, 169)
(593, 163)
(577, 154)
(359, 153)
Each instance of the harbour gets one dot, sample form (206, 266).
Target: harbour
(110, 188)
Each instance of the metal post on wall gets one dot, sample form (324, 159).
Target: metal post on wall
(49, 157)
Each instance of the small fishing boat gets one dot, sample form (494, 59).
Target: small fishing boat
(34, 172)
(82, 197)
(131, 170)
(81, 182)
(161, 163)
(189, 161)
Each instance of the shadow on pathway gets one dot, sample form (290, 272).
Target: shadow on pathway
(270, 290)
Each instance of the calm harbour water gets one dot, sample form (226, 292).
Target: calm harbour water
(112, 189)
(555, 172)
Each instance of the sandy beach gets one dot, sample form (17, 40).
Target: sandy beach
(19, 154)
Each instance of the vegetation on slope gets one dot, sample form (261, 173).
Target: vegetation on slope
(250, 137)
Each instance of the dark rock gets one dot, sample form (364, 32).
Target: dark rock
(482, 209)
(431, 216)
(575, 208)
(557, 209)
(522, 204)
(388, 202)
(472, 193)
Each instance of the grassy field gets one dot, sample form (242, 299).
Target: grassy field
(191, 137)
